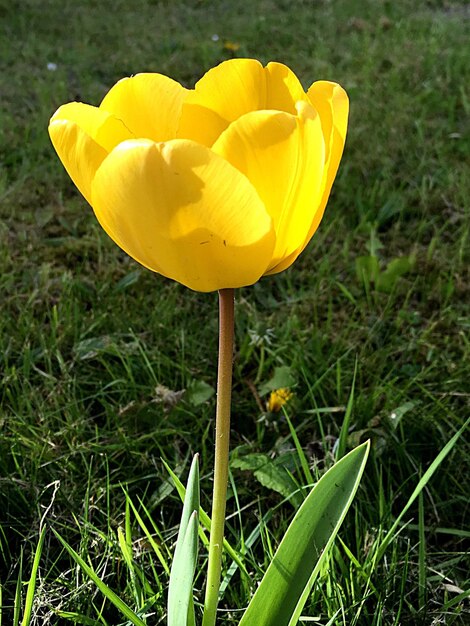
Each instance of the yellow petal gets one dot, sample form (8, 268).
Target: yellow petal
(332, 104)
(283, 157)
(106, 130)
(232, 89)
(80, 155)
(82, 136)
(148, 104)
(223, 94)
(283, 88)
(182, 211)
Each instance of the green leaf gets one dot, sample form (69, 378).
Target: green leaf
(283, 377)
(286, 585)
(367, 269)
(148, 533)
(199, 392)
(271, 475)
(183, 567)
(395, 269)
(127, 281)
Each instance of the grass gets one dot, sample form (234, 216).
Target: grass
(94, 350)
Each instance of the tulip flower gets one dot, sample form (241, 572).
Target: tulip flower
(215, 186)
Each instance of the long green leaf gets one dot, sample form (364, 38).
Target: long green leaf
(284, 589)
(183, 567)
(102, 586)
(28, 605)
(182, 577)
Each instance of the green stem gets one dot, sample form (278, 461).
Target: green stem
(222, 441)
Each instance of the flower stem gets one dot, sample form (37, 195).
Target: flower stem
(222, 441)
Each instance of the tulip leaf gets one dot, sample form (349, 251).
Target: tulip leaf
(285, 587)
(183, 567)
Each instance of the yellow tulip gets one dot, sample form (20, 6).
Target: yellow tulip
(214, 186)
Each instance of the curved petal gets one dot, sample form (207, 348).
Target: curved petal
(223, 94)
(332, 103)
(105, 129)
(148, 104)
(283, 88)
(283, 157)
(80, 154)
(182, 211)
(232, 89)
(82, 136)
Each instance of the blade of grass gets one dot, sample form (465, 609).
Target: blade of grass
(28, 605)
(102, 586)
(419, 487)
(148, 535)
(343, 435)
(19, 583)
(300, 453)
(422, 556)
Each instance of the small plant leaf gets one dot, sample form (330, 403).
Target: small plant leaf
(199, 392)
(183, 567)
(367, 269)
(271, 475)
(283, 377)
(286, 584)
(395, 269)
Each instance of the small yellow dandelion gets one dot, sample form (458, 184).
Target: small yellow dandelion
(232, 46)
(277, 399)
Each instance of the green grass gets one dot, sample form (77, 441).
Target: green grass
(94, 349)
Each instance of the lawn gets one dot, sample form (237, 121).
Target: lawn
(107, 371)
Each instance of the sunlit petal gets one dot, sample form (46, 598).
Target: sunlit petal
(332, 104)
(223, 94)
(232, 89)
(283, 88)
(283, 157)
(105, 129)
(148, 104)
(185, 212)
(79, 153)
